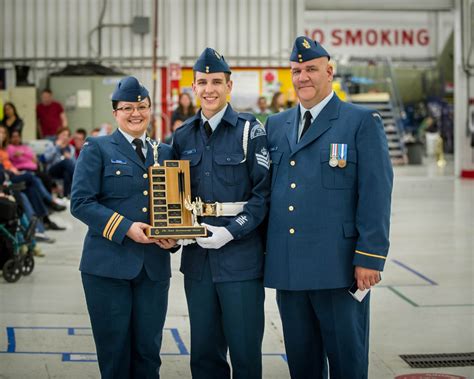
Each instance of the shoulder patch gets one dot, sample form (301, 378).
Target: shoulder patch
(257, 131)
(376, 115)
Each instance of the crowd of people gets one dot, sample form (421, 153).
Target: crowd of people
(186, 109)
(43, 179)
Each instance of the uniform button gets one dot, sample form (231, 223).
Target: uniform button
(145, 193)
(291, 208)
(208, 148)
(207, 173)
(292, 163)
(145, 175)
(117, 172)
(227, 159)
(144, 210)
(292, 231)
(293, 185)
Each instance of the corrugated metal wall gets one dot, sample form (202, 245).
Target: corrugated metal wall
(246, 32)
(48, 34)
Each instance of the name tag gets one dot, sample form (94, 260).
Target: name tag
(188, 152)
(117, 161)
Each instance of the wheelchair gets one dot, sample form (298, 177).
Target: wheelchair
(16, 242)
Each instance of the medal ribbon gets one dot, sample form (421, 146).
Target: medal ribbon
(342, 151)
(334, 150)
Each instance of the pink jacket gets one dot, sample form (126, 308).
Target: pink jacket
(22, 157)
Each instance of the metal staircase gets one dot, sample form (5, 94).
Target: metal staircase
(371, 84)
(382, 104)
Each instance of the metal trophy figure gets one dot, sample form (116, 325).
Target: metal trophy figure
(154, 146)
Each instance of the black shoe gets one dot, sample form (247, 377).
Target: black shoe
(57, 207)
(51, 225)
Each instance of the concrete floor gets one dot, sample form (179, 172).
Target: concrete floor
(425, 303)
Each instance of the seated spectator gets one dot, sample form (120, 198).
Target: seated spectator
(278, 102)
(78, 140)
(106, 129)
(262, 111)
(60, 159)
(22, 156)
(37, 194)
(185, 108)
(95, 132)
(11, 120)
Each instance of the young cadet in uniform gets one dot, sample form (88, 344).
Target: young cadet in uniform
(229, 163)
(125, 275)
(328, 221)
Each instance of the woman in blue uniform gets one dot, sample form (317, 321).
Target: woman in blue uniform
(125, 275)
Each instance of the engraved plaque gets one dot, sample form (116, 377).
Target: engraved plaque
(170, 186)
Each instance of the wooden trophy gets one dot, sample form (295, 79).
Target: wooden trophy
(172, 215)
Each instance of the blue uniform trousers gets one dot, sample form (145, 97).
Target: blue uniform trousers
(226, 315)
(320, 323)
(127, 318)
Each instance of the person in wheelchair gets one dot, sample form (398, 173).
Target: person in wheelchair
(37, 194)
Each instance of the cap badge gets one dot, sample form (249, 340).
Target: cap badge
(217, 54)
(306, 44)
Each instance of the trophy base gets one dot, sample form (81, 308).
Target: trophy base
(177, 232)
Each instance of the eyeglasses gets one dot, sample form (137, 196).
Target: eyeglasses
(129, 109)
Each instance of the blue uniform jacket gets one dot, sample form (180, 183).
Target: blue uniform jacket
(218, 174)
(325, 220)
(109, 193)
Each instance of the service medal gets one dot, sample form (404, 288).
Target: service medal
(333, 156)
(342, 155)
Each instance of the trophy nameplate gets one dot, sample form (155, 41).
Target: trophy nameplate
(172, 215)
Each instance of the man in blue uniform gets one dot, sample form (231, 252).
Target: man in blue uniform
(125, 275)
(229, 163)
(329, 219)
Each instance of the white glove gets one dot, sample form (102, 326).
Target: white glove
(185, 241)
(220, 236)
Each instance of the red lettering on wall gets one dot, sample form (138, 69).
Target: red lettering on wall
(315, 35)
(336, 38)
(354, 37)
(371, 37)
(407, 37)
(423, 37)
(385, 37)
